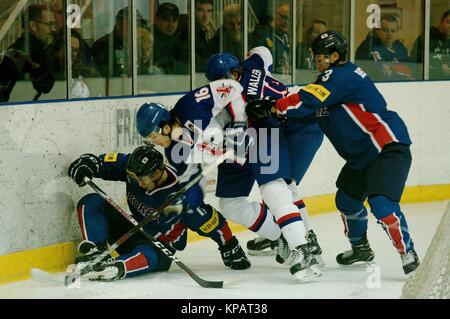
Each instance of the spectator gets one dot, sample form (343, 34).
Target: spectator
(15, 63)
(204, 31)
(388, 57)
(41, 27)
(145, 52)
(439, 49)
(81, 66)
(303, 49)
(276, 37)
(230, 34)
(56, 6)
(112, 52)
(171, 40)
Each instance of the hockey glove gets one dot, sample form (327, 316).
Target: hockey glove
(257, 110)
(233, 256)
(87, 165)
(42, 80)
(236, 138)
(175, 208)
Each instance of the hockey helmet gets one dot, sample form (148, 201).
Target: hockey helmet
(220, 65)
(150, 118)
(144, 161)
(329, 42)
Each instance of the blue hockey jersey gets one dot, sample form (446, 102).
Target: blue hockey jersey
(351, 112)
(257, 80)
(170, 229)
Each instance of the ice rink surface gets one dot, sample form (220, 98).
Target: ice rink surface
(266, 279)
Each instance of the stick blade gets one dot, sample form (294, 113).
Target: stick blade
(44, 276)
(234, 282)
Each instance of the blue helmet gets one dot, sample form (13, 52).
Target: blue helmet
(220, 65)
(149, 118)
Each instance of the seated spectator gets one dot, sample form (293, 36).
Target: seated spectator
(57, 7)
(389, 58)
(204, 31)
(82, 66)
(171, 40)
(41, 27)
(230, 34)
(303, 49)
(145, 52)
(13, 65)
(117, 62)
(439, 49)
(275, 36)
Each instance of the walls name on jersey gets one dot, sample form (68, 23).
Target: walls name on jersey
(254, 84)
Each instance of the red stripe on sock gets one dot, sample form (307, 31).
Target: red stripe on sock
(393, 227)
(299, 202)
(258, 220)
(80, 211)
(136, 262)
(287, 217)
(344, 220)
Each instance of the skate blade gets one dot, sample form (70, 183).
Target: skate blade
(261, 252)
(320, 262)
(308, 274)
(359, 265)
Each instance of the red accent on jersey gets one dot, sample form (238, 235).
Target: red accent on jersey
(174, 233)
(225, 91)
(80, 211)
(287, 217)
(288, 102)
(136, 262)
(392, 224)
(379, 131)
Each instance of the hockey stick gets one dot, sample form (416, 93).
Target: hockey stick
(156, 242)
(77, 273)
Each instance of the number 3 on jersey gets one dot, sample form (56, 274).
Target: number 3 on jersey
(327, 75)
(202, 94)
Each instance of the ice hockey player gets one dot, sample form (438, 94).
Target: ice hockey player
(148, 183)
(372, 140)
(196, 112)
(298, 141)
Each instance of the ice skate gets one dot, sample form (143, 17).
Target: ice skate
(315, 248)
(261, 246)
(303, 265)
(410, 261)
(359, 254)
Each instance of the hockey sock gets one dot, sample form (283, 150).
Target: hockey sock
(354, 217)
(278, 198)
(142, 259)
(298, 201)
(92, 218)
(393, 221)
(253, 215)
